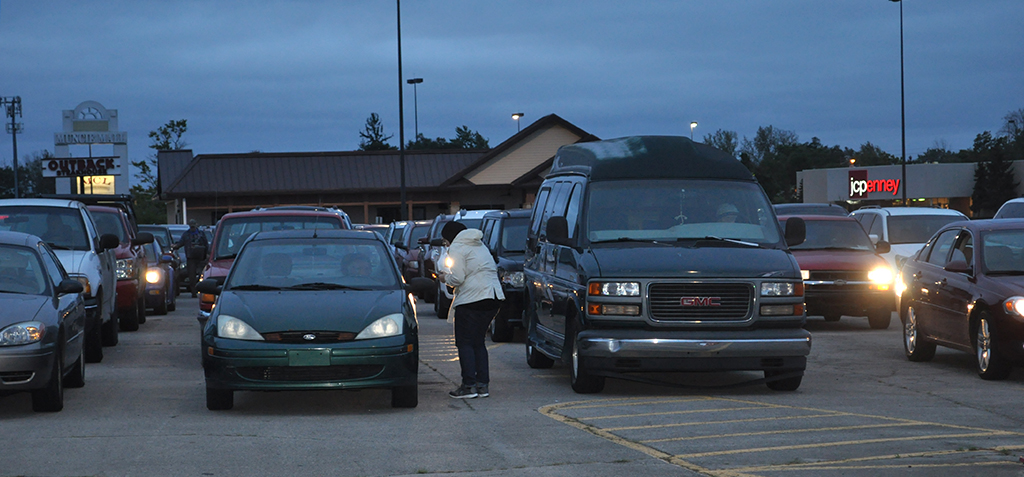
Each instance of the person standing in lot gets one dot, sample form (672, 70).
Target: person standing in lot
(196, 248)
(476, 302)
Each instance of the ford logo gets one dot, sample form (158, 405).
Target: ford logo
(309, 337)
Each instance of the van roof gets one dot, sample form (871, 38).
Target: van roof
(648, 157)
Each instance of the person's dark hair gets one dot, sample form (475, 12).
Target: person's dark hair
(452, 229)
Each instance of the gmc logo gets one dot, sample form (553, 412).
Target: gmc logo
(700, 301)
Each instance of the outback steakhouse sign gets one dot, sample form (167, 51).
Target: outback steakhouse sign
(861, 186)
(85, 166)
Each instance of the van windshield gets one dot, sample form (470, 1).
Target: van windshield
(679, 209)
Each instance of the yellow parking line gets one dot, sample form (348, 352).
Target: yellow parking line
(627, 402)
(784, 431)
(672, 413)
(828, 464)
(709, 423)
(840, 443)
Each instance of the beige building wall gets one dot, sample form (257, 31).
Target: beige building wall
(522, 157)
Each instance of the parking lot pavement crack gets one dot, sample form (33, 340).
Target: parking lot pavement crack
(1005, 417)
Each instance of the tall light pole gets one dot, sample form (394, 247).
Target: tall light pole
(516, 117)
(693, 125)
(903, 111)
(415, 105)
(12, 105)
(401, 117)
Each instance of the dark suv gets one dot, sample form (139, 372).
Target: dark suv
(131, 264)
(505, 236)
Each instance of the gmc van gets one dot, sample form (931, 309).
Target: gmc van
(656, 253)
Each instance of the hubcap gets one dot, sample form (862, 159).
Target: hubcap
(575, 361)
(910, 331)
(984, 346)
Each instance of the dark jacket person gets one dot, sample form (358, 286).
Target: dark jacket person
(196, 249)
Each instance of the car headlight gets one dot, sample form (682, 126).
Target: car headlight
(233, 328)
(125, 268)
(153, 276)
(1014, 305)
(899, 286)
(782, 289)
(881, 278)
(22, 333)
(614, 289)
(390, 325)
(84, 280)
(805, 274)
(414, 263)
(513, 279)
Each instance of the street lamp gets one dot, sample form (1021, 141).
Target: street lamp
(401, 117)
(516, 117)
(903, 110)
(415, 105)
(693, 124)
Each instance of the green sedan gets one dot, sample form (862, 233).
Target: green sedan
(312, 309)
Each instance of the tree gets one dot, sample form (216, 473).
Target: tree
(872, 155)
(373, 136)
(777, 170)
(724, 140)
(766, 142)
(993, 175)
(464, 139)
(31, 182)
(148, 208)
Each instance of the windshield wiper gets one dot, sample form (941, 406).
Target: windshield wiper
(729, 240)
(57, 247)
(831, 248)
(629, 239)
(255, 287)
(227, 257)
(322, 286)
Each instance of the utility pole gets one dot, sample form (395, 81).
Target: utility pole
(12, 106)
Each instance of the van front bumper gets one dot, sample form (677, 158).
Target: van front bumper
(641, 350)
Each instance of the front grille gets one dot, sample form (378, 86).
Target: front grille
(299, 337)
(310, 373)
(845, 275)
(733, 301)
(837, 281)
(14, 377)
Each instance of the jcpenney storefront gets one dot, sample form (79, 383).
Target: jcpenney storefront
(928, 185)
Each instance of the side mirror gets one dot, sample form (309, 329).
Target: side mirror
(166, 258)
(957, 266)
(69, 286)
(796, 231)
(874, 239)
(401, 246)
(208, 286)
(419, 285)
(438, 242)
(882, 247)
(109, 241)
(558, 231)
(423, 240)
(143, 238)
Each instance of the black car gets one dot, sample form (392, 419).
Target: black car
(965, 290)
(505, 236)
(42, 328)
(312, 309)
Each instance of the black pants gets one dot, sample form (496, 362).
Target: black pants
(193, 270)
(471, 323)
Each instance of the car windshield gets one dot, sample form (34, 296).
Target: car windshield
(109, 223)
(471, 223)
(21, 271)
(313, 264)
(680, 209)
(153, 252)
(835, 234)
(159, 234)
(809, 209)
(233, 232)
(513, 234)
(414, 234)
(61, 227)
(916, 228)
(1003, 252)
(1011, 210)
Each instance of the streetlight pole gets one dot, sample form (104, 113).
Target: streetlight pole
(903, 111)
(401, 117)
(415, 105)
(13, 109)
(516, 117)
(693, 124)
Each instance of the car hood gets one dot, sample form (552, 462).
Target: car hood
(18, 308)
(218, 268)
(1007, 285)
(333, 310)
(699, 262)
(837, 259)
(72, 260)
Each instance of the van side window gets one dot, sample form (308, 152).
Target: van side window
(876, 228)
(486, 227)
(538, 211)
(556, 206)
(573, 212)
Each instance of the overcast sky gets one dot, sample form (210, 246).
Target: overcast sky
(305, 75)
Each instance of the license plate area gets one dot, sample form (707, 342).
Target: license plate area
(309, 357)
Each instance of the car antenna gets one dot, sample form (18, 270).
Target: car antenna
(316, 222)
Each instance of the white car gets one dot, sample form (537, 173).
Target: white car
(1011, 209)
(68, 227)
(906, 229)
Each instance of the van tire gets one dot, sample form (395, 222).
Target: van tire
(501, 330)
(535, 359)
(787, 384)
(582, 381)
(879, 319)
(130, 322)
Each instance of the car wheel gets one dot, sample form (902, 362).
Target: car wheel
(501, 331)
(535, 359)
(405, 396)
(130, 320)
(94, 341)
(991, 366)
(162, 308)
(219, 399)
(832, 317)
(914, 346)
(879, 319)
(142, 309)
(443, 303)
(51, 397)
(173, 305)
(582, 381)
(784, 384)
(76, 377)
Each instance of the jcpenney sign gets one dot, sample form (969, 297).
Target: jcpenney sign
(861, 186)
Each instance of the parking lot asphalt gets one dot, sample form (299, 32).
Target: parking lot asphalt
(863, 409)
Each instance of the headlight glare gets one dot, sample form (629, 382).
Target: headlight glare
(881, 275)
(513, 279)
(233, 328)
(153, 276)
(390, 325)
(22, 333)
(1014, 305)
(125, 268)
(614, 289)
(782, 289)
